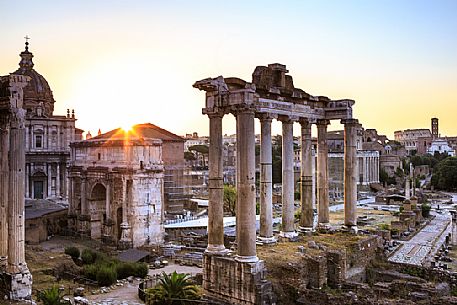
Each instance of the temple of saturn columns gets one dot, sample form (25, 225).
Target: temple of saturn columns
(13, 268)
(238, 278)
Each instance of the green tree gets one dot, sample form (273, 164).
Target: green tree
(52, 296)
(189, 156)
(445, 174)
(173, 289)
(229, 199)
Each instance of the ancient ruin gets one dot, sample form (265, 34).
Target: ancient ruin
(239, 279)
(16, 276)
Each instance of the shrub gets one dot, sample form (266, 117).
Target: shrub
(73, 252)
(88, 256)
(141, 270)
(124, 270)
(106, 276)
(90, 271)
(51, 296)
(426, 209)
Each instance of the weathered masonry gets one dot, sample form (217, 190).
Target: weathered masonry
(13, 268)
(239, 279)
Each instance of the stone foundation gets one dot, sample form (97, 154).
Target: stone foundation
(228, 281)
(18, 285)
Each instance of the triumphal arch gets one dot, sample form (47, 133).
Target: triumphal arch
(238, 278)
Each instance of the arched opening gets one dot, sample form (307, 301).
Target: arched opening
(39, 183)
(97, 208)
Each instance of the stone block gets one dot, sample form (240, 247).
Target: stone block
(317, 270)
(228, 281)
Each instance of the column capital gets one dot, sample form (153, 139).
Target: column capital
(305, 122)
(322, 122)
(265, 117)
(353, 122)
(242, 109)
(17, 118)
(215, 115)
(287, 118)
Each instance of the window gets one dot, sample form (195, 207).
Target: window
(99, 156)
(38, 141)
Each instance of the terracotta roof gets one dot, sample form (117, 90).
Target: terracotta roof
(146, 130)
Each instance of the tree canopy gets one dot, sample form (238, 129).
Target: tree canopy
(445, 174)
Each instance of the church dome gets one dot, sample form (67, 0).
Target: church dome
(38, 98)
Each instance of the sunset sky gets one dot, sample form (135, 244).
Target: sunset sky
(125, 62)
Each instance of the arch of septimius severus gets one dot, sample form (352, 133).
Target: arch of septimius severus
(13, 268)
(239, 278)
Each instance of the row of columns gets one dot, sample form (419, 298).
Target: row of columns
(245, 216)
(370, 169)
(60, 189)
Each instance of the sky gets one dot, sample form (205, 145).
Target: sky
(119, 63)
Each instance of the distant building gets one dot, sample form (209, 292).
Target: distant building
(414, 140)
(441, 146)
(47, 137)
(435, 130)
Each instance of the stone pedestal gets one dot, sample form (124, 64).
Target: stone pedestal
(19, 284)
(84, 226)
(226, 281)
(125, 242)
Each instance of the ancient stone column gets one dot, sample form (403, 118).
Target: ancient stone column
(16, 231)
(266, 184)
(108, 202)
(322, 172)
(246, 250)
(27, 174)
(4, 177)
(288, 229)
(216, 186)
(125, 242)
(49, 173)
(306, 181)
(58, 180)
(407, 188)
(350, 173)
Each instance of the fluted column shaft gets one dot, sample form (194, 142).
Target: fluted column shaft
(84, 209)
(350, 172)
(216, 187)
(266, 197)
(49, 173)
(322, 171)
(16, 200)
(306, 185)
(245, 218)
(108, 202)
(4, 177)
(287, 177)
(58, 179)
